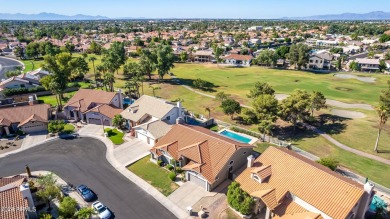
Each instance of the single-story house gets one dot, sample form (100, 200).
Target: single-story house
(149, 118)
(15, 193)
(208, 158)
(31, 118)
(40, 73)
(20, 81)
(94, 106)
(288, 185)
(238, 60)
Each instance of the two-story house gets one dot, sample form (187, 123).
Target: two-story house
(208, 158)
(150, 118)
(94, 106)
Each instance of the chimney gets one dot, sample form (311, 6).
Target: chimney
(30, 100)
(120, 98)
(26, 193)
(178, 104)
(365, 200)
(251, 160)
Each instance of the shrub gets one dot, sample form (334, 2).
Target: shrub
(159, 163)
(56, 126)
(179, 170)
(74, 84)
(240, 200)
(17, 91)
(244, 131)
(170, 167)
(172, 176)
(329, 162)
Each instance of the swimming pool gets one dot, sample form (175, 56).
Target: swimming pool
(127, 101)
(236, 136)
(377, 203)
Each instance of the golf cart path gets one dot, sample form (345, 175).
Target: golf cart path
(321, 133)
(335, 103)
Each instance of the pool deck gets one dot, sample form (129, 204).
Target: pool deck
(253, 139)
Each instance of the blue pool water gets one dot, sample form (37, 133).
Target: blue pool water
(377, 203)
(128, 101)
(192, 121)
(235, 136)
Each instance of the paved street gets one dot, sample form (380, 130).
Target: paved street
(83, 160)
(7, 64)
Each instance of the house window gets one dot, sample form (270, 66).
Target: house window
(231, 162)
(255, 177)
(244, 152)
(168, 117)
(22, 85)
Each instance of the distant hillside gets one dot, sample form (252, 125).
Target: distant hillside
(376, 15)
(49, 16)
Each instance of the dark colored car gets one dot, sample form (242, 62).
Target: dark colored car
(85, 192)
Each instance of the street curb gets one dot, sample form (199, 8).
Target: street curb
(158, 196)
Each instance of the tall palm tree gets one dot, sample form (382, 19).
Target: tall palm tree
(93, 59)
(383, 114)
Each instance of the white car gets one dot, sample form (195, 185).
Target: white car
(102, 210)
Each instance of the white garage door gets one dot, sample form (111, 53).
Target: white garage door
(196, 180)
(34, 127)
(141, 136)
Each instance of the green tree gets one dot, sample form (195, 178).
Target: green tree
(165, 59)
(80, 68)
(240, 200)
(221, 96)
(248, 116)
(282, 52)
(18, 52)
(68, 207)
(49, 83)
(61, 66)
(48, 193)
(32, 50)
(384, 38)
(218, 52)
(383, 111)
(329, 162)
(183, 56)
(317, 101)
(201, 84)
(118, 121)
(93, 59)
(230, 107)
(85, 213)
(299, 55)
(267, 57)
(339, 66)
(382, 65)
(295, 107)
(261, 89)
(354, 66)
(147, 62)
(95, 48)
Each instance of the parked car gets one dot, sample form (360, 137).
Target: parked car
(85, 192)
(101, 210)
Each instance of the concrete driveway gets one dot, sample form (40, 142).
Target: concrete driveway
(131, 151)
(188, 194)
(33, 139)
(91, 129)
(83, 161)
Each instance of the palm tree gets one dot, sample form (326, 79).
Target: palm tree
(383, 117)
(154, 89)
(93, 59)
(100, 70)
(207, 109)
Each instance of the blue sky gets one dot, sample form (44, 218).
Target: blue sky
(194, 9)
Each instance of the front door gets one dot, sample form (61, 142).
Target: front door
(230, 173)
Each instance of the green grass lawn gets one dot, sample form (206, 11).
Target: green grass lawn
(51, 99)
(238, 82)
(154, 175)
(115, 135)
(31, 64)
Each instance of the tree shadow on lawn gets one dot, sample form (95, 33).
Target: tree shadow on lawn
(331, 124)
(288, 134)
(111, 133)
(209, 87)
